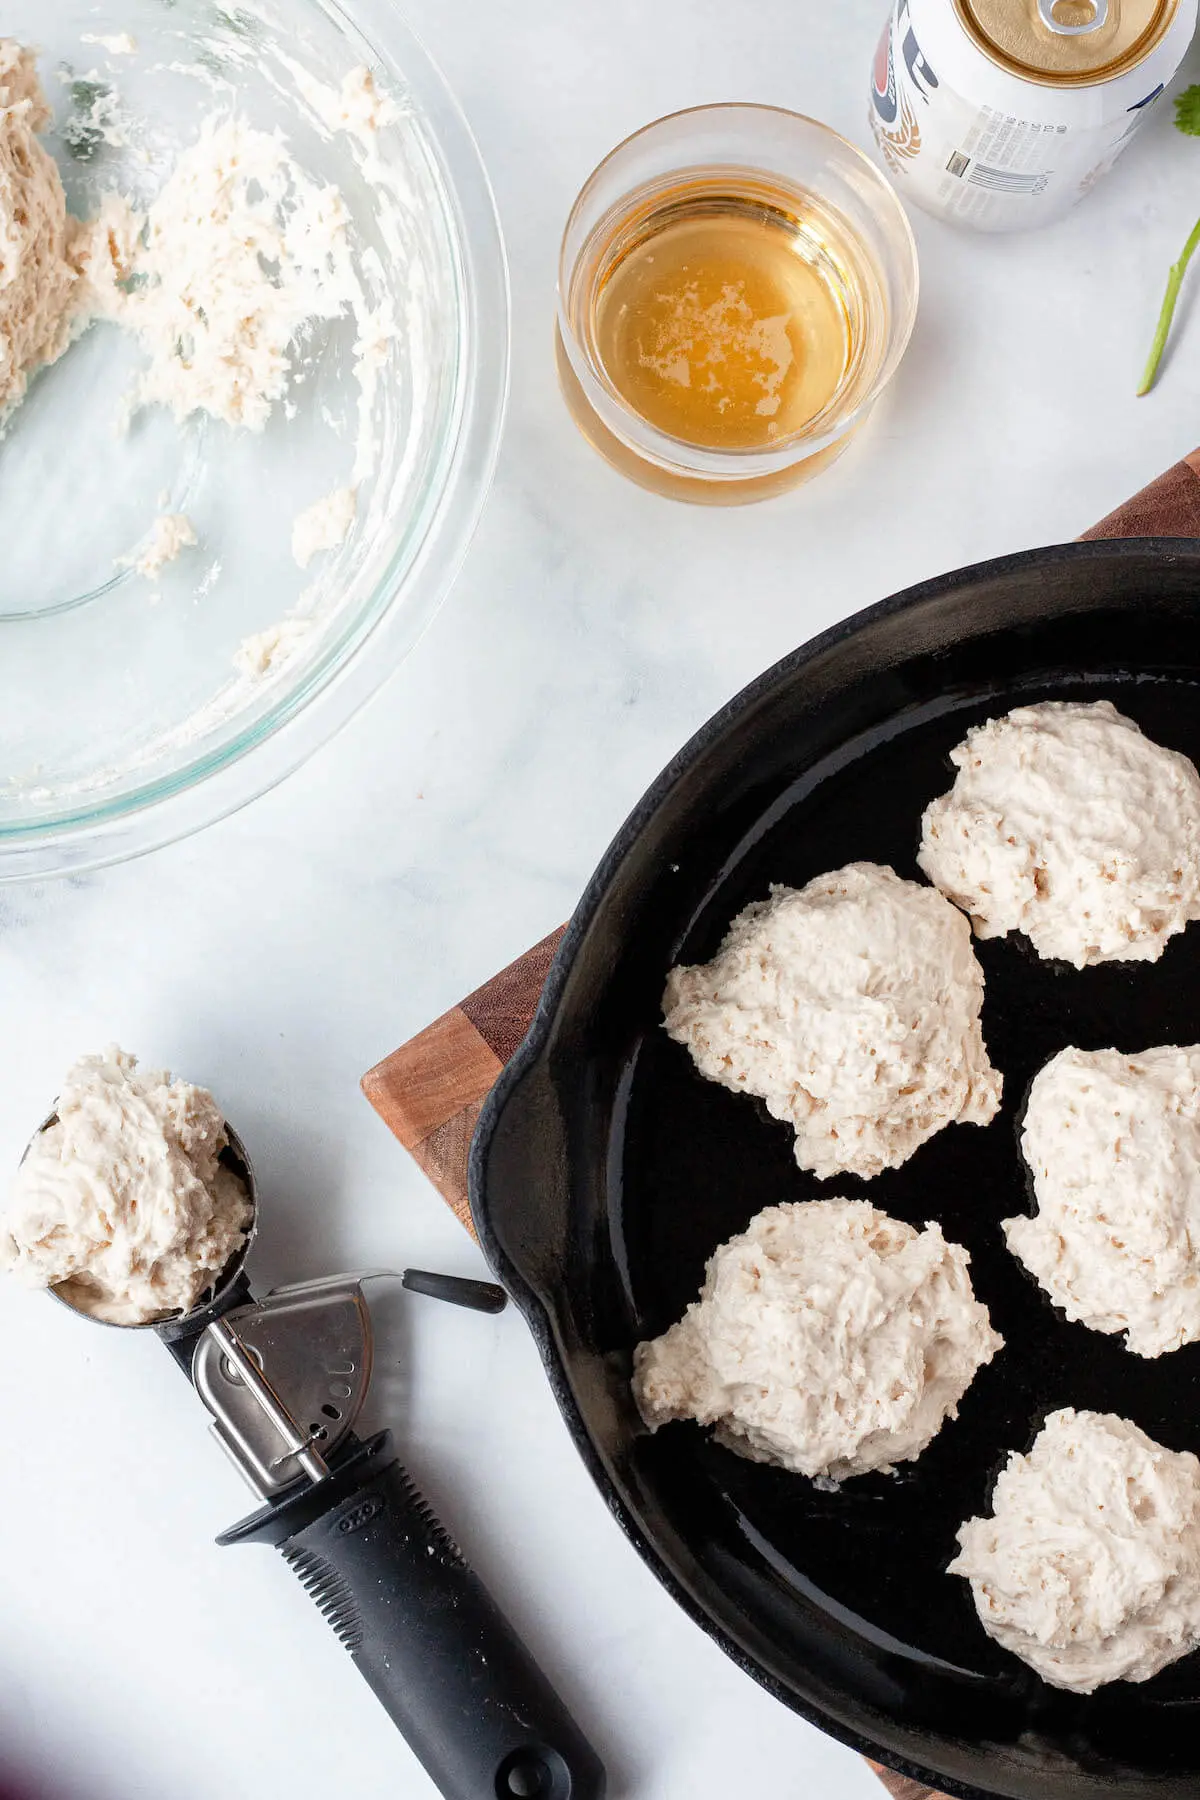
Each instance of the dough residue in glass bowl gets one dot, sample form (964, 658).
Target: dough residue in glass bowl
(40, 278)
(123, 1200)
(323, 525)
(221, 279)
(828, 1338)
(239, 252)
(116, 43)
(1088, 1568)
(851, 1007)
(169, 535)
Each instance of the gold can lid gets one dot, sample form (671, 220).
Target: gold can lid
(1067, 42)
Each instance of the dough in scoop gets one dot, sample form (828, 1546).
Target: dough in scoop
(1114, 1145)
(1089, 1566)
(851, 1006)
(124, 1199)
(828, 1338)
(1068, 824)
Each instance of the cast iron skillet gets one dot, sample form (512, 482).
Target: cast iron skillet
(605, 1171)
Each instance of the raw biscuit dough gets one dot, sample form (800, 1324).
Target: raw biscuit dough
(1089, 1566)
(323, 525)
(828, 1338)
(1067, 823)
(38, 277)
(124, 1198)
(119, 43)
(169, 534)
(1114, 1145)
(851, 1007)
(236, 254)
(264, 653)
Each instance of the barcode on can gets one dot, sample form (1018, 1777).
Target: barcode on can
(958, 163)
(1006, 181)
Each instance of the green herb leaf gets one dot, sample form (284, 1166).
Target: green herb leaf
(1174, 282)
(1187, 111)
(1187, 119)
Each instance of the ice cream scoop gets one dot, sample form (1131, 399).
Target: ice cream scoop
(284, 1378)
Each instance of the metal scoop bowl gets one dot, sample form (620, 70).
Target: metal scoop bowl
(74, 1292)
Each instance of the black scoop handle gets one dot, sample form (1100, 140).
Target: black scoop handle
(427, 1635)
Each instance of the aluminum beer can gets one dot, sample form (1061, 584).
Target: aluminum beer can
(1002, 114)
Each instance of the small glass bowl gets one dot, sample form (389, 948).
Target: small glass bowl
(708, 150)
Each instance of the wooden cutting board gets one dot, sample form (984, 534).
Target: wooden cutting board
(430, 1091)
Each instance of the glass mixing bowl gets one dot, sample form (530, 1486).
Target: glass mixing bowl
(127, 716)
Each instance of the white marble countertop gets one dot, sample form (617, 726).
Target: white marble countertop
(280, 954)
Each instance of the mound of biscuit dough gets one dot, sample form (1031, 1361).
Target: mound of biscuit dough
(1067, 823)
(828, 1338)
(123, 1203)
(1113, 1142)
(1089, 1566)
(38, 276)
(851, 1007)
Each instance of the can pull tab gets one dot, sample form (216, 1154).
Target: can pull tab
(1046, 11)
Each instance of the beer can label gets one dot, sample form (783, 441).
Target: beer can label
(1010, 154)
